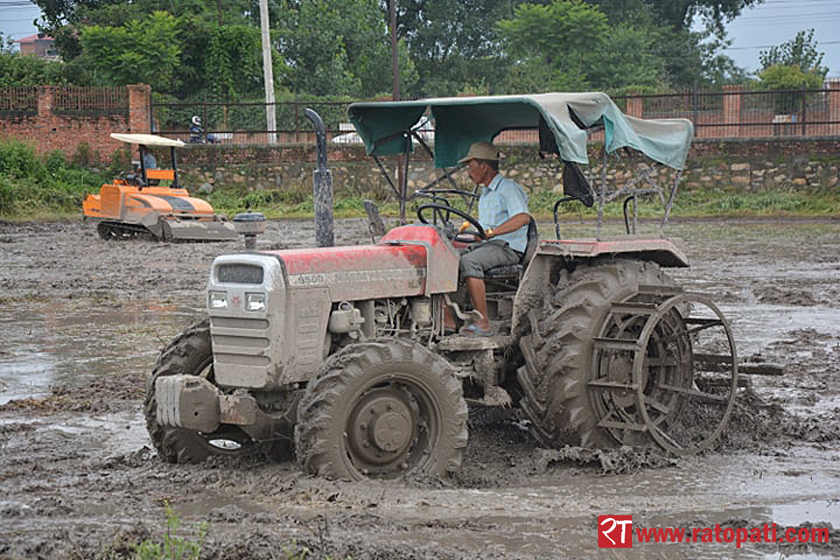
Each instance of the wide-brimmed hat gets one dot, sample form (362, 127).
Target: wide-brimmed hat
(482, 150)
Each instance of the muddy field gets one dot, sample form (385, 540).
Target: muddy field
(82, 321)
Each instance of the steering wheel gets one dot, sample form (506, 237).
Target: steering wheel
(443, 212)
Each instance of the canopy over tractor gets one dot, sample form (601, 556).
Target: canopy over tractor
(138, 205)
(563, 121)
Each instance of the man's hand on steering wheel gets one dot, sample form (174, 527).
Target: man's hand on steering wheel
(442, 212)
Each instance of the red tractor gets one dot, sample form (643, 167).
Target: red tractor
(339, 354)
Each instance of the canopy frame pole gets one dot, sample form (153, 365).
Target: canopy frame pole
(671, 199)
(602, 195)
(404, 161)
(386, 175)
(446, 174)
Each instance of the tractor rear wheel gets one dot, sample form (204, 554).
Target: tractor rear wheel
(382, 409)
(563, 362)
(190, 353)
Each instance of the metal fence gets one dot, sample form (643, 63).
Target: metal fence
(18, 100)
(64, 100)
(245, 123)
(90, 101)
(735, 112)
(747, 113)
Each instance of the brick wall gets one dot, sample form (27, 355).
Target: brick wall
(70, 126)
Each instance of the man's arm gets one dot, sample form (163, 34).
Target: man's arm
(510, 225)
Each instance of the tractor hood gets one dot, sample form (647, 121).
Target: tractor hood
(410, 260)
(167, 203)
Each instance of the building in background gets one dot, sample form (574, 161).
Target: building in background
(38, 45)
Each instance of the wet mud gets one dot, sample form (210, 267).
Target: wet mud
(82, 321)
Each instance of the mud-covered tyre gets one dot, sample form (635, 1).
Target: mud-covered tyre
(190, 353)
(382, 409)
(558, 349)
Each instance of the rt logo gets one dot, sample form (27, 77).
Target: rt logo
(615, 531)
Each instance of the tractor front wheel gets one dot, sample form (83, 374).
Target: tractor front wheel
(191, 354)
(382, 409)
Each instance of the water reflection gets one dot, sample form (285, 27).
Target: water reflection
(67, 343)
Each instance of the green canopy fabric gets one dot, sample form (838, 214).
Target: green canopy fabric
(460, 121)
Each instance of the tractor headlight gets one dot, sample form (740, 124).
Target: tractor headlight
(218, 300)
(254, 302)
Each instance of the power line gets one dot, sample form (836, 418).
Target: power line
(769, 46)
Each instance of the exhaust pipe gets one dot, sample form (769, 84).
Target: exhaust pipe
(323, 195)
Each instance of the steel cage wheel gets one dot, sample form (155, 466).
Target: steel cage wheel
(682, 436)
(622, 384)
(564, 391)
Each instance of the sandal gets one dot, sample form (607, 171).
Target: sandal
(475, 330)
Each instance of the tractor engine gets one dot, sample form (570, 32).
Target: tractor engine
(276, 315)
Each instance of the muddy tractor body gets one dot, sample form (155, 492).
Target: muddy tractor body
(340, 356)
(139, 205)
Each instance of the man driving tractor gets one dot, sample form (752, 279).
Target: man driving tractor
(503, 213)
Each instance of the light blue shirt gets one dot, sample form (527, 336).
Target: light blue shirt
(501, 200)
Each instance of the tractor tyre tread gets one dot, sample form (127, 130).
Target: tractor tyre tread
(322, 410)
(558, 357)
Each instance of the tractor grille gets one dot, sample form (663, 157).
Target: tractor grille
(240, 341)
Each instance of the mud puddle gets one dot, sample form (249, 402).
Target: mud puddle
(66, 343)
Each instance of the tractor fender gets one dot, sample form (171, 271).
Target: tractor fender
(659, 250)
(552, 255)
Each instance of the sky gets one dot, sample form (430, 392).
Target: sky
(777, 21)
(756, 29)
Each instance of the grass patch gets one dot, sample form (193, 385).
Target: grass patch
(171, 546)
(699, 203)
(812, 203)
(34, 186)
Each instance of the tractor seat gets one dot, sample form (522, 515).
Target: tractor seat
(516, 269)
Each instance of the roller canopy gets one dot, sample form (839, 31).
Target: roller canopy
(147, 139)
(561, 119)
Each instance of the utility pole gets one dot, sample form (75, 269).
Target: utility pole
(268, 74)
(395, 59)
(402, 175)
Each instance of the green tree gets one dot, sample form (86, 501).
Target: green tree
(554, 46)
(141, 51)
(679, 14)
(792, 65)
(612, 70)
(784, 77)
(671, 23)
(337, 47)
(454, 46)
(19, 70)
(232, 62)
(801, 51)
(197, 19)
